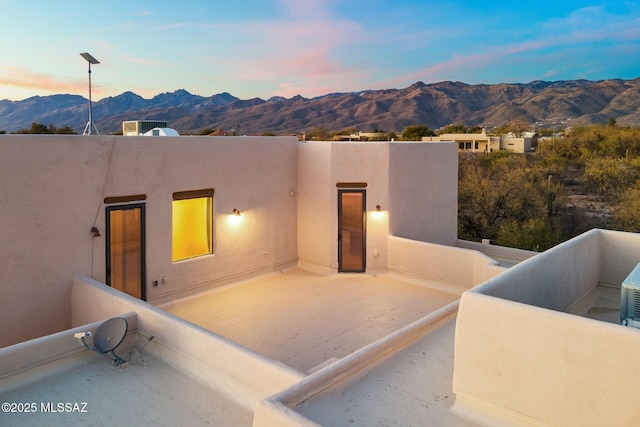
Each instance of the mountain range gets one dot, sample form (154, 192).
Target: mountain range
(546, 104)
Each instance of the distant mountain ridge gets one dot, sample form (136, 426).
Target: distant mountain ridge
(547, 104)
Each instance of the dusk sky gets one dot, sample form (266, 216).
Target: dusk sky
(265, 48)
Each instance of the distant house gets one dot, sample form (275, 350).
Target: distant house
(363, 136)
(483, 143)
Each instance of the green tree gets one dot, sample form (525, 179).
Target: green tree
(479, 204)
(318, 134)
(35, 128)
(503, 188)
(336, 135)
(520, 200)
(454, 128)
(534, 234)
(347, 131)
(66, 130)
(416, 132)
(610, 176)
(626, 215)
(39, 128)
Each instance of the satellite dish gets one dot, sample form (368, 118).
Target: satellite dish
(110, 334)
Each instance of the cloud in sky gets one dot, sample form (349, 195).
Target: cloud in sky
(20, 77)
(584, 26)
(313, 47)
(306, 55)
(301, 52)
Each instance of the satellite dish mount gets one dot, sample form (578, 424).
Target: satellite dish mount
(107, 338)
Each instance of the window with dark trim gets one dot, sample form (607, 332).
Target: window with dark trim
(191, 224)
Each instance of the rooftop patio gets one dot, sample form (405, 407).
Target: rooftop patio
(296, 347)
(305, 319)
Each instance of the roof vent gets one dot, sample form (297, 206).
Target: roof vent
(630, 299)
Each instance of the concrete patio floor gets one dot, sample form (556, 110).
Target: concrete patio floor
(305, 319)
(147, 392)
(411, 387)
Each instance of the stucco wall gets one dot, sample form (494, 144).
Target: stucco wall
(364, 162)
(621, 253)
(518, 353)
(516, 144)
(51, 194)
(461, 267)
(321, 166)
(502, 253)
(315, 204)
(414, 183)
(546, 367)
(554, 279)
(423, 192)
(47, 205)
(52, 191)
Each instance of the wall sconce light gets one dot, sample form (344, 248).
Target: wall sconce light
(96, 232)
(378, 209)
(235, 218)
(378, 212)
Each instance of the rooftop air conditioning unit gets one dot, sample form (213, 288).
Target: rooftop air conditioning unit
(630, 299)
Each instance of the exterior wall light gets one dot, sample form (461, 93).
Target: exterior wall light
(95, 232)
(378, 212)
(235, 218)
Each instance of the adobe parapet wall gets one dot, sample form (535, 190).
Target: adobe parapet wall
(460, 267)
(509, 255)
(239, 373)
(519, 355)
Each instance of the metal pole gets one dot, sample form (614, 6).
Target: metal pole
(90, 118)
(88, 130)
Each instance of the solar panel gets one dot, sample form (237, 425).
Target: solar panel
(90, 59)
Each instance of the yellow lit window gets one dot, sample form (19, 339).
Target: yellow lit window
(192, 230)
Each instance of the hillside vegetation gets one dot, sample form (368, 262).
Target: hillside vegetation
(587, 178)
